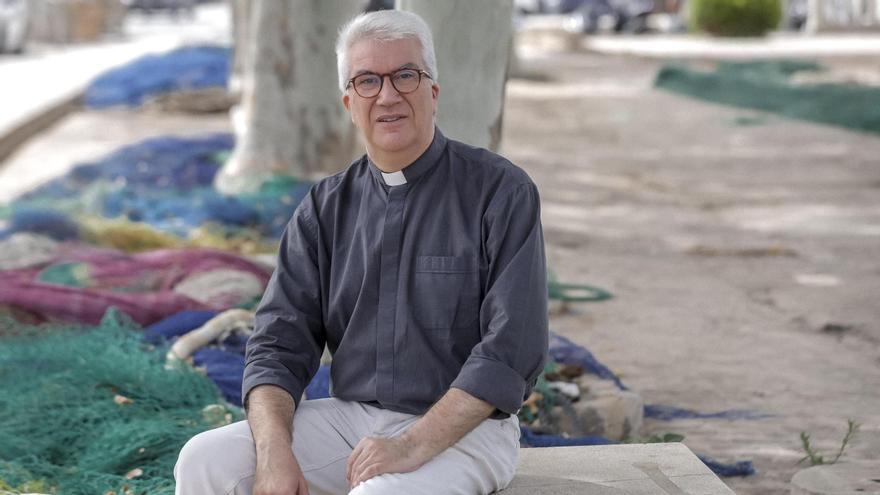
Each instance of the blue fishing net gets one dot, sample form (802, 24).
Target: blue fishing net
(660, 411)
(50, 223)
(191, 67)
(564, 351)
(224, 363)
(163, 181)
(176, 325)
(740, 468)
(161, 163)
(531, 438)
(319, 387)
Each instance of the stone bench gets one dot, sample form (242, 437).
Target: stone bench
(658, 468)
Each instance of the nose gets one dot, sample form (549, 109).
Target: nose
(388, 94)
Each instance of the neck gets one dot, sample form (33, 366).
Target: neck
(393, 162)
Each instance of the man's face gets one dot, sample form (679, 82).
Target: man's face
(394, 126)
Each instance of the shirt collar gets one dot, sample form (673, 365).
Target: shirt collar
(415, 169)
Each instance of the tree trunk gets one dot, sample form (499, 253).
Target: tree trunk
(291, 120)
(241, 18)
(472, 40)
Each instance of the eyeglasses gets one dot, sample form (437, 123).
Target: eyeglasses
(369, 85)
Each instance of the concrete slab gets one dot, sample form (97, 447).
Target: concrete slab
(547, 485)
(669, 468)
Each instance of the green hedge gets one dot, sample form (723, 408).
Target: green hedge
(735, 17)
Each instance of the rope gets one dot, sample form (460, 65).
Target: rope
(571, 293)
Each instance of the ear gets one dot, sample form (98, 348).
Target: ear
(346, 102)
(435, 94)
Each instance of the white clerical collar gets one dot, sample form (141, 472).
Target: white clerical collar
(394, 178)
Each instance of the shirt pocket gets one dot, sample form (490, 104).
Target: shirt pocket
(446, 292)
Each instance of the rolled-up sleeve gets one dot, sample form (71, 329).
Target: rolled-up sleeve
(503, 366)
(285, 348)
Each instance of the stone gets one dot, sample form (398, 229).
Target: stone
(845, 478)
(603, 410)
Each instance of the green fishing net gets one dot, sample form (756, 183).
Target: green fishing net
(769, 86)
(94, 410)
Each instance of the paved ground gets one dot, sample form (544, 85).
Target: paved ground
(744, 259)
(46, 75)
(783, 44)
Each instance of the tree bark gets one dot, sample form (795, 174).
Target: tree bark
(291, 120)
(472, 41)
(241, 16)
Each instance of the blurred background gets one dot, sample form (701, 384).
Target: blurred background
(710, 181)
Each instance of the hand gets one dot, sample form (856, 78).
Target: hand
(280, 474)
(374, 456)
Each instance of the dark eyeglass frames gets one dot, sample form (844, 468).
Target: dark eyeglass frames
(368, 85)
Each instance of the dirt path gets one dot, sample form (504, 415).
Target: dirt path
(729, 249)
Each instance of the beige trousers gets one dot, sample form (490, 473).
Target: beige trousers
(325, 431)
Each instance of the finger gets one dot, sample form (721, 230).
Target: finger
(360, 455)
(368, 472)
(369, 457)
(370, 452)
(357, 467)
(303, 487)
(356, 478)
(352, 458)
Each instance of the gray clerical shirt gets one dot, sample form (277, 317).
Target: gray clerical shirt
(435, 283)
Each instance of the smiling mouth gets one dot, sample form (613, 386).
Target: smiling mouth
(393, 118)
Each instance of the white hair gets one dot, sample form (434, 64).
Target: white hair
(384, 25)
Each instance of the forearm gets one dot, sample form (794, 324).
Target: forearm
(270, 416)
(450, 419)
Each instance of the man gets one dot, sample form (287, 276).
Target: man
(421, 268)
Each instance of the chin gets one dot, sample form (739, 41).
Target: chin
(393, 144)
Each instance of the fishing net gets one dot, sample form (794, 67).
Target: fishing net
(191, 67)
(88, 410)
(163, 183)
(79, 282)
(770, 86)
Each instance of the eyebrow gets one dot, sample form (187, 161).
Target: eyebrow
(409, 65)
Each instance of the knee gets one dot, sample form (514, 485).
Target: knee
(191, 456)
(194, 457)
(211, 458)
